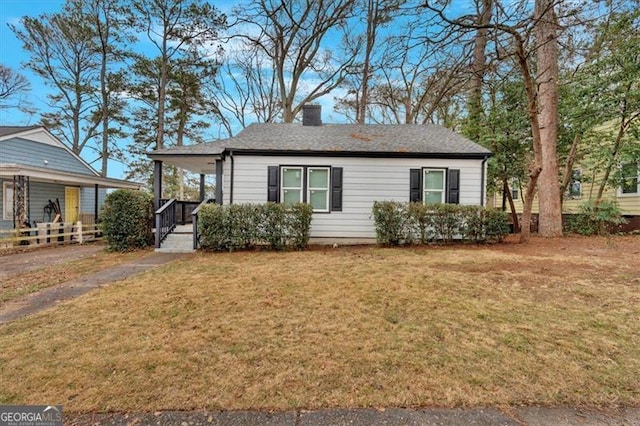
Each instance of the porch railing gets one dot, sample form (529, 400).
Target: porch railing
(183, 210)
(165, 220)
(194, 220)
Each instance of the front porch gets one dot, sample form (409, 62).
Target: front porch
(176, 220)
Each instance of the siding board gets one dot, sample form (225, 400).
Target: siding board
(30, 153)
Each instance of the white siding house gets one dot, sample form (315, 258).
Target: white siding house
(340, 169)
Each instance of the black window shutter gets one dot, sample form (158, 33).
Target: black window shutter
(453, 186)
(415, 185)
(273, 184)
(336, 189)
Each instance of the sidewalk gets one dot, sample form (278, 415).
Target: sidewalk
(533, 416)
(49, 297)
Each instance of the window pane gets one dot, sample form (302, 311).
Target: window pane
(291, 178)
(318, 199)
(630, 178)
(434, 179)
(318, 178)
(291, 196)
(433, 197)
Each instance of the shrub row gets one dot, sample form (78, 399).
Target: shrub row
(405, 223)
(240, 226)
(126, 219)
(596, 219)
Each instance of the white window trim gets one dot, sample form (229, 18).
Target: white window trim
(327, 189)
(514, 186)
(5, 185)
(424, 184)
(283, 188)
(631, 194)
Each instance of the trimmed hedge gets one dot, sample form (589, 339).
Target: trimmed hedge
(242, 226)
(126, 219)
(404, 223)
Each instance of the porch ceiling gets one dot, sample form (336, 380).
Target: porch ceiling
(196, 163)
(66, 178)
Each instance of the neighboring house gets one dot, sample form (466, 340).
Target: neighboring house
(340, 169)
(584, 185)
(37, 169)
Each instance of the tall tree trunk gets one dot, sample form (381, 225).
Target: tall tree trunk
(568, 169)
(550, 208)
(514, 215)
(104, 48)
(478, 70)
(372, 17)
(536, 164)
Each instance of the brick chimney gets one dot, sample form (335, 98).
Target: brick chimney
(311, 115)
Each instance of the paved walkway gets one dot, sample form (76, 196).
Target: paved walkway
(49, 297)
(533, 416)
(19, 263)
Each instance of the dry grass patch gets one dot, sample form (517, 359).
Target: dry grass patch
(51, 275)
(457, 326)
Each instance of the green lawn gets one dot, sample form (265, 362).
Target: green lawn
(554, 322)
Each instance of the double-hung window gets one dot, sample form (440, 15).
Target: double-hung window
(7, 201)
(630, 181)
(319, 186)
(434, 186)
(292, 184)
(575, 184)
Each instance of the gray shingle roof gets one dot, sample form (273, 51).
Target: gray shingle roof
(9, 130)
(340, 138)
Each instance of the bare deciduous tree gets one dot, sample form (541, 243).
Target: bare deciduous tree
(291, 34)
(12, 87)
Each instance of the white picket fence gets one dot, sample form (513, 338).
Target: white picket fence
(50, 233)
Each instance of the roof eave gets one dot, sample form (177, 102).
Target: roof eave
(362, 154)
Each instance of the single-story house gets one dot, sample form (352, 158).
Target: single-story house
(38, 173)
(340, 169)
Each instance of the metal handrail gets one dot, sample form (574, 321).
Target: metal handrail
(194, 221)
(165, 221)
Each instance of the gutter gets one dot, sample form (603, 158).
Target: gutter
(231, 183)
(483, 180)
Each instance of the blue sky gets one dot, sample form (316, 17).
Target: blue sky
(13, 56)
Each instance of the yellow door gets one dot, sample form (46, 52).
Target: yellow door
(71, 204)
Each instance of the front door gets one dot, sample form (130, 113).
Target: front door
(71, 204)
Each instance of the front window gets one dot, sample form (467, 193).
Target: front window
(575, 185)
(434, 189)
(515, 189)
(630, 178)
(318, 188)
(7, 201)
(291, 191)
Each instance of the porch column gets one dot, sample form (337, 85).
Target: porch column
(202, 191)
(219, 182)
(20, 201)
(157, 183)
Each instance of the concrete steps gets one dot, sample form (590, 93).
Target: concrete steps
(179, 241)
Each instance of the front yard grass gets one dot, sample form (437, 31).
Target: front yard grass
(555, 322)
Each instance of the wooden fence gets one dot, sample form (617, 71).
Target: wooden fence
(50, 233)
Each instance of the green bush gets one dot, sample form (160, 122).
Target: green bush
(402, 223)
(596, 219)
(392, 223)
(240, 226)
(126, 220)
